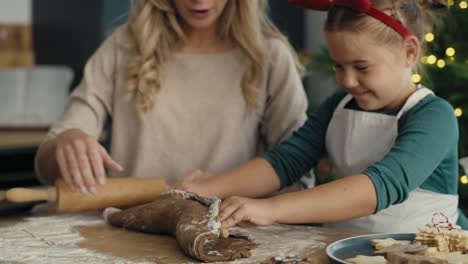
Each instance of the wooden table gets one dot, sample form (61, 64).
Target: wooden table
(85, 238)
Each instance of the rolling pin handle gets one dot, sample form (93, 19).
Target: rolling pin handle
(20, 195)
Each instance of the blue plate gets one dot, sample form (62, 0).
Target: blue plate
(359, 245)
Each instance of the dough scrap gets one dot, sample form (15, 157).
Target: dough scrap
(387, 242)
(402, 248)
(361, 259)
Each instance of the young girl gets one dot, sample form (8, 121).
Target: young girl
(188, 84)
(394, 144)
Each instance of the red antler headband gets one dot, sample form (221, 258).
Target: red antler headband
(363, 6)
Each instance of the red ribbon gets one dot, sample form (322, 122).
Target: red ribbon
(363, 6)
(445, 223)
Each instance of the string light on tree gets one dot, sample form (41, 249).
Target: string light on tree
(416, 78)
(431, 59)
(429, 37)
(441, 63)
(458, 112)
(463, 4)
(464, 179)
(450, 52)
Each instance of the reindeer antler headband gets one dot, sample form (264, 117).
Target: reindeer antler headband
(363, 6)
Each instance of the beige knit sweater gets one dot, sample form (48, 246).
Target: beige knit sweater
(200, 119)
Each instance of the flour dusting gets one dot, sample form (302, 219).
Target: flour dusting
(54, 239)
(281, 241)
(51, 239)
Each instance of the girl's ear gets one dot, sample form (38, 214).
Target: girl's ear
(412, 48)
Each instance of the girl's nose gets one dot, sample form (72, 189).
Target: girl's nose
(349, 80)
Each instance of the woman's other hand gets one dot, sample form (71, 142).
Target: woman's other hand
(82, 161)
(246, 211)
(195, 182)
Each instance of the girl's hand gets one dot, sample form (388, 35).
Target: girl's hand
(244, 211)
(194, 183)
(81, 161)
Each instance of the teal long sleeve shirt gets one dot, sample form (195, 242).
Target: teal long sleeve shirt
(425, 154)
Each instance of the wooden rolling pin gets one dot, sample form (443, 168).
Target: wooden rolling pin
(117, 192)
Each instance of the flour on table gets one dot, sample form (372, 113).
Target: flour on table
(273, 239)
(51, 239)
(54, 239)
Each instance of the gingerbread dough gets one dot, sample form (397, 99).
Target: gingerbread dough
(190, 218)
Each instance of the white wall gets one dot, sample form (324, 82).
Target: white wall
(15, 11)
(318, 87)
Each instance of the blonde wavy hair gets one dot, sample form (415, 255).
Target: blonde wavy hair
(155, 30)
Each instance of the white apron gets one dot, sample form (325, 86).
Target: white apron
(357, 139)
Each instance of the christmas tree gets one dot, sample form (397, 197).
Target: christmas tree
(444, 69)
(445, 64)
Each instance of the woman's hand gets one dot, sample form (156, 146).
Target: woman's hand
(196, 182)
(246, 211)
(81, 161)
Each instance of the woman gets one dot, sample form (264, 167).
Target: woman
(188, 84)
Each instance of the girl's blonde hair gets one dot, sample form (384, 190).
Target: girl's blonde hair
(415, 15)
(155, 30)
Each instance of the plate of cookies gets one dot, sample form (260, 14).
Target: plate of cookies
(430, 245)
(363, 248)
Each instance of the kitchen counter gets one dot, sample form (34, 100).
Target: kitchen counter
(21, 138)
(85, 237)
